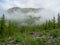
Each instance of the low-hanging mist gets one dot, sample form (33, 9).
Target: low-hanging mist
(22, 14)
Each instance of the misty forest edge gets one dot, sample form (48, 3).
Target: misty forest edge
(30, 34)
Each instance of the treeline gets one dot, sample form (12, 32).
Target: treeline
(8, 28)
(51, 24)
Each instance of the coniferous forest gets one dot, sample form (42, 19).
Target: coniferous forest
(47, 33)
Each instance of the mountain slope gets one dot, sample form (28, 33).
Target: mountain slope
(20, 13)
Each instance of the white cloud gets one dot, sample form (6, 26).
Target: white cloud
(49, 4)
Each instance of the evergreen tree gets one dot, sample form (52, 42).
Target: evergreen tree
(58, 20)
(3, 27)
(54, 24)
(11, 29)
(49, 25)
(46, 25)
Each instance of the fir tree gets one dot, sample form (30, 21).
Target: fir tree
(11, 29)
(3, 27)
(46, 25)
(49, 25)
(58, 20)
(54, 25)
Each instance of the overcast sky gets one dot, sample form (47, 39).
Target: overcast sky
(48, 4)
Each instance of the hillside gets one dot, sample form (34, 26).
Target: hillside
(17, 13)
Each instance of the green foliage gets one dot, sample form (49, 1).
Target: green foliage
(25, 34)
(58, 20)
(19, 38)
(3, 27)
(41, 42)
(54, 25)
(54, 33)
(57, 41)
(11, 28)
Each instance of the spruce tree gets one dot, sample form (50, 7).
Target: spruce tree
(49, 25)
(11, 29)
(3, 27)
(58, 20)
(54, 25)
(46, 25)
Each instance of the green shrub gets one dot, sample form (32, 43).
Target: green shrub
(57, 41)
(54, 33)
